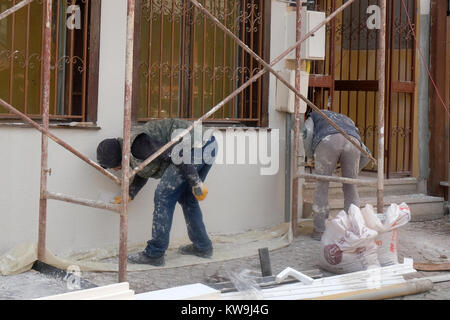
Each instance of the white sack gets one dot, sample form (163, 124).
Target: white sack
(347, 244)
(387, 225)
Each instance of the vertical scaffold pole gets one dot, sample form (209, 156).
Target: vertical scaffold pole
(381, 106)
(126, 142)
(46, 53)
(294, 215)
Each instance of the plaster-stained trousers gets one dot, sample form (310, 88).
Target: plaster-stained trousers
(331, 150)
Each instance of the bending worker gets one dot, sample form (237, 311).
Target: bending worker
(180, 182)
(328, 147)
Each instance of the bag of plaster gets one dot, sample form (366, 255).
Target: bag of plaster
(387, 224)
(347, 245)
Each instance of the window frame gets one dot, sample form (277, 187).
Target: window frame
(264, 115)
(91, 68)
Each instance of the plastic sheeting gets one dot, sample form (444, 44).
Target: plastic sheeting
(226, 247)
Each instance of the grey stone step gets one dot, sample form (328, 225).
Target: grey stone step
(422, 207)
(400, 186)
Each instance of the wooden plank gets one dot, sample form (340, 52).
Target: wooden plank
(105, 292)
(125, 295)
(432, 266)
(403, 86)
(196, 291)
(320, 81)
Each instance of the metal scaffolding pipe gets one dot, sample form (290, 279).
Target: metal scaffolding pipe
(45, 123)
(338, 179)
(14, 8)
(84, 202)
(126, 149)
(381, 105)
(59, 141)
(298, 58)
(244, 86)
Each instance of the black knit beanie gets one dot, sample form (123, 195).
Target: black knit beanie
(109, 153)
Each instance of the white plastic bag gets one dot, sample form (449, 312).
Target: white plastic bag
(387, 225)
(347, 244)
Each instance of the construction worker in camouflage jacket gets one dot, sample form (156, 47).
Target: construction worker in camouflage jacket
(181, 170)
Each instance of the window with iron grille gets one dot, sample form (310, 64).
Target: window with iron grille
(74, 59)
(187, 65)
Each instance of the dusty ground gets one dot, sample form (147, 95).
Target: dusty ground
(427, 242)
(422, 241)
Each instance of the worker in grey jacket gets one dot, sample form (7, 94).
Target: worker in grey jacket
(328, 147)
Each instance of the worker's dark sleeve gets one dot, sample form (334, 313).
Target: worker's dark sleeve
(136, 186)
(143, 147)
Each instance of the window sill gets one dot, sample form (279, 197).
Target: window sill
(53, 125)
(226, 128)
(221, 125)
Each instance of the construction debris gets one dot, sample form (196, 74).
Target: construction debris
(432, 266)
(373, 284)
(295, 274)
(374, 278)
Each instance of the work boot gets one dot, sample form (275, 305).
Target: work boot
(142, 258)
(316, 235)
(190, 249)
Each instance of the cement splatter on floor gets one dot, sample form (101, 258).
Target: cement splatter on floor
(30, 285)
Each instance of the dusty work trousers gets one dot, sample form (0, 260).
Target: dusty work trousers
(331, 150)
(174, 188)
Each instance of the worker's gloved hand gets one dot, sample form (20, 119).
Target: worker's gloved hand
(200, 192)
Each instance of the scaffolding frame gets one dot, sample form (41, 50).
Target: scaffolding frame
(128, 173)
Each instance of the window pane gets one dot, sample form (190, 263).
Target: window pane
(160, 55)
(188, 64)
(21, 45)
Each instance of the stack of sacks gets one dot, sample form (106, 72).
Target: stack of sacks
(387, 225)
(347, 244)
(362, 239)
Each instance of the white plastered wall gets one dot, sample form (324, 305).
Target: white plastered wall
(239, 199)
